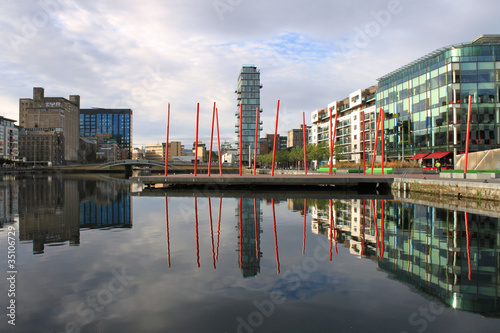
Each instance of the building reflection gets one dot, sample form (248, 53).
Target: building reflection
(109, 208)
(248, 215)
(53, 209)
(9, 201)
(431, 249)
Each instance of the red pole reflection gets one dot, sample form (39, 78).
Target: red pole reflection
(218, 229)
(382, 230)
(241, 233)
(363, 239)
(376, 226)
(275, 239)
(211, 230)
(304, 234)
(331, 229)
(168, 231)
(468, 243)
(256, 228)
(196, 226)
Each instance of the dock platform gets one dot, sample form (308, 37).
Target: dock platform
(340, 181)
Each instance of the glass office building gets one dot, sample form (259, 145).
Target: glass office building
(425, 103)
(117, 122)
(248, 92)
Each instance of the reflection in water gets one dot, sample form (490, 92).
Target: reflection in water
(9, 196)
(431, 249)
(168, 232)
(249, 220)
(52, 210)
(450, 255)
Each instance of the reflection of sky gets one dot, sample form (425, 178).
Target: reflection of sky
(347, 294)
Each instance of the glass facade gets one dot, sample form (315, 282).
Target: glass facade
(117, 122)
(248, 92)
(425, 103)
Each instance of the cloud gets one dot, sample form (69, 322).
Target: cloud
(143, 55)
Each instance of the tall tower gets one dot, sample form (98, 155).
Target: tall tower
(248, 92)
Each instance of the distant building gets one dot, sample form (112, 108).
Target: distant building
(267, 143)
(175, 148)
(202, 151)
(9, 139)
(137, 154)
(295, 137)
(53, 112)
(248, 91)
(117, 122)
(88, 151)
(42, 146)
(155, 152)
(230, 156)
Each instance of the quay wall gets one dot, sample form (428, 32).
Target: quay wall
(449, 188)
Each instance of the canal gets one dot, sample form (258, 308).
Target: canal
(91, 254)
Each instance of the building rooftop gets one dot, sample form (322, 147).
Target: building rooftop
(485, 39)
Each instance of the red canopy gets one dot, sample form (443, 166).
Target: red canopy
(437, 155)
(419, 156)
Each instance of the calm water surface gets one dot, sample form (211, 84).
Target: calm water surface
(92, 256)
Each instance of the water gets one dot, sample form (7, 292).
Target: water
(91, 256)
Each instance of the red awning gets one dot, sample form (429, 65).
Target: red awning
(437, 155)
(419, 156)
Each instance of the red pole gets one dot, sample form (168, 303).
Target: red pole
(166, 145)
(168, 231)
(275, 136)
(218, 140)
(211, 142)
(196, 142)
(468, 135)
(334, 132)
(276, 239)
(304, 139)
(382, 141)
(364, 156)
(241, 139)
(331, 146)
(256, 141)
(375, 148)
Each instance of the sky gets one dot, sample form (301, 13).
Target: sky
(146, 54)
